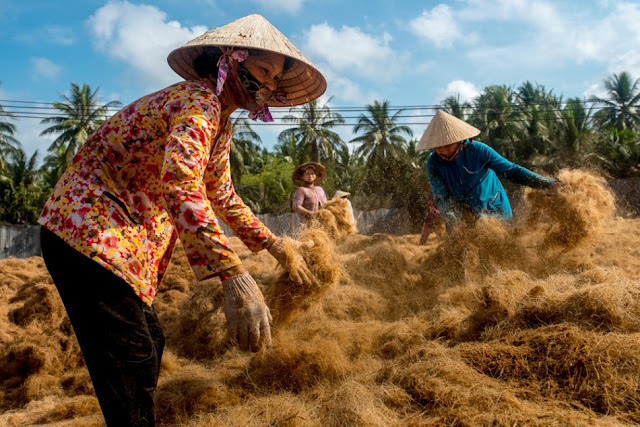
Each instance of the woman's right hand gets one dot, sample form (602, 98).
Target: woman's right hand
(248, 316)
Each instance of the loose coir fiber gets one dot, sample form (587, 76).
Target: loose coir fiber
(535, 323)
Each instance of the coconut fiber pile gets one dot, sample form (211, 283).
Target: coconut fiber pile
(532, 323)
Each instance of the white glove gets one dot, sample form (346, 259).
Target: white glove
(247, 314)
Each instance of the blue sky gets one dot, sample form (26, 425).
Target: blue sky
(406, 52)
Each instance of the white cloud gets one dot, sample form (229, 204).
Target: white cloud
(291, 6)
(595, 89)
(27, 130)
(423, 67)
(59, 35)
(536, 32)
(343, 89)
(466, 90)
(350, 49)
(44, 68)
(50, 34)
(141, 36)
(437, 26)
(28, 133)
(538, 35)
(539, 13)
(615, 40)
(348, 91)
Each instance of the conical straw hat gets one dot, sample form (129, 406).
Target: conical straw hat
(340, 194)
(321, 173)
(445, 129)
(302, 82)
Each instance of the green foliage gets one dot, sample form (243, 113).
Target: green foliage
(313, 138)
(618, 153)
(21, 197)
(80, 115)
(528, 125)
(271, 189)
(8, 143)
(245, 155)
(622, 105)
(454, 106)
(382, 145)
(497, 115)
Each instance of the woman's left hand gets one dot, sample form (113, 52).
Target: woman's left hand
(555, 186)
(301, 274)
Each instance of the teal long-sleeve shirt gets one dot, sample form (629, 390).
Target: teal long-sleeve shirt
(472, 179)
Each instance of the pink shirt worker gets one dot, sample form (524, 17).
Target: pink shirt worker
(309, 197)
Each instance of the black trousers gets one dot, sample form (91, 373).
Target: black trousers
(119, 335)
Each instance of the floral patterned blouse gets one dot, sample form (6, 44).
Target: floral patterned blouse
(155, 171)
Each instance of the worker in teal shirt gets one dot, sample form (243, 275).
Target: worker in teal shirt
(464, 174)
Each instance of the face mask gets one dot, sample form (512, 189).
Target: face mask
(450, 157)
(261, 94)
(248, 91)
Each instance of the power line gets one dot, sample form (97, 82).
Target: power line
(41, 105)
(546, 115)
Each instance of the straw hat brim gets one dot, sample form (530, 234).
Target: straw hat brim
(302, 81)
(321, 173)
(445, 129)
(340, 194)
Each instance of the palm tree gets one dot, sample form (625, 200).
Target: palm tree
(529, 94)
(53, 167)
(499, 118)
(382, 139)
(418, 158)
(8, 143)
(315, 141)
(574, 131)
(618, 151)
(622, 107)
(455, 107)
(245, 153)
(286, 147)
(541, 112)
(80, 117)
(343, 170)
(382, 144)
(20, 196)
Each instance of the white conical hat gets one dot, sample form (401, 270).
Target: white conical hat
(302, 82)
(445, 129)
(340, 194)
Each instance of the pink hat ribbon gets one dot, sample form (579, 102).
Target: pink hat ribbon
(223, 65)
(263, 113)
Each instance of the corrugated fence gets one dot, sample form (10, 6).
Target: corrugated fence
(23, 241)
(19, 241)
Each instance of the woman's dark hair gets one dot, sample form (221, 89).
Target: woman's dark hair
(287, 60)
(306, 168)
(206, 63)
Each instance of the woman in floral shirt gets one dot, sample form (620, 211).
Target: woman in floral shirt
(156, 171)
